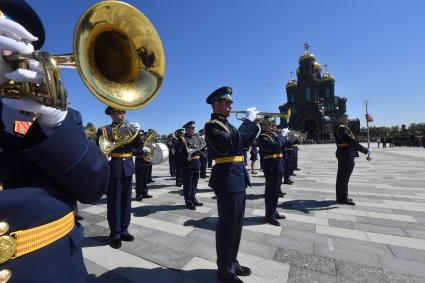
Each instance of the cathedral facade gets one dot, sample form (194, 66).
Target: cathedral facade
(312, 100)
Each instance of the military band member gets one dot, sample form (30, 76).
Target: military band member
(171, 154)
(204, 156)
(150, 180)
(141, 168)
(287, 160)
(190, 168)
(253, 156)
(229, 179)
(120, 184)
(271, 145)
(46, 166)
(178, 157)
(346, 152)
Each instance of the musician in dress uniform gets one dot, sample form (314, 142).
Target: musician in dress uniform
(203, 153)
(190, 167)
(121, 174)
(271, 145)
(178, 157)
(287, 160)
(229, 179)
(347, 150)
(46, 166)
(141, 167)
(150, 180)
(171, 154)
(253, 156)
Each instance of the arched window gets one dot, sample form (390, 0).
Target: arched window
(307, 94)
(328, 93)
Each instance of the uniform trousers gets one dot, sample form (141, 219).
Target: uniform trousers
(179, 172)
(172, 163)
(204, 162)
(190, 183)
(231, 210)
(271, 194)
(345, 168)
(142, 172)
(119, 206)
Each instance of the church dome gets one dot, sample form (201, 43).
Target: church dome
(328, 77)
(291, 83)
(317, 66)
(306, 57)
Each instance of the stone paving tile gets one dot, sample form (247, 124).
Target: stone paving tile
(307, 261)
(359, 273)
(403, 266)
(301, 275)
(379, 229)
(99, 274)
(409, 254)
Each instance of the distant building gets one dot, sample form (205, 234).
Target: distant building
(312, 100)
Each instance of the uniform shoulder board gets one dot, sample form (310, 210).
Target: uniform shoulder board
(217, 122)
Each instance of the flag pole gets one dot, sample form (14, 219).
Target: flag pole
(366, 103)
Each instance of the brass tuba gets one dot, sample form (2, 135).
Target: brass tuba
(117, 52)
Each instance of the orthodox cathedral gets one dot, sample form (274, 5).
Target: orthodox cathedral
(311, 98)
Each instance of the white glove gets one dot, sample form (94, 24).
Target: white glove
(14, 37)
(251, 113)
(146, 149)
(285, 132)
(49, 117)
(369, 151)
(136, 125)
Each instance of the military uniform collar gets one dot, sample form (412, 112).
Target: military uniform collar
(219, 117)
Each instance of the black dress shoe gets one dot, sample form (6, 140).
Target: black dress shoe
(293, 174)
(243, 271)
(138, 198)
(347, 201)
(115, 244)
(151, 181)
(278, 216)
(127, 238)
(297, 169)
(197, 203)
(214, 197)
(190, 205)
(288, 182)
(147, 196)
(281, 195)
(273, 222)
(233, 279)
(179, 185)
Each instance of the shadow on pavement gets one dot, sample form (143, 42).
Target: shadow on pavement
(150, 209)
(157, 275)
(306, 206)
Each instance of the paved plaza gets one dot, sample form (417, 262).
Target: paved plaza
(381, 239)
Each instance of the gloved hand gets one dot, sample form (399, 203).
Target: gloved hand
(285, 132)
(146, 149)
(251, 113)
(49, 117)
(136, 125)
(369, 151)
(15, 38)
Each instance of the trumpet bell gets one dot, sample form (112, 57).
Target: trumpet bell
(119, 55)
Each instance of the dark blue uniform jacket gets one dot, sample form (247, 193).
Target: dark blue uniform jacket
(43, 176)
(271, 143)
(343, 135)
(225, 140)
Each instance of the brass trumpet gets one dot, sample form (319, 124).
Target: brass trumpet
(117, 53)
(261, 115)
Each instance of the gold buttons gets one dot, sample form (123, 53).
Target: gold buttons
(1, 186)
(4, 227)
(5, 275)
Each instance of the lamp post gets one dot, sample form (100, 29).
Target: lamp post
(366, 103)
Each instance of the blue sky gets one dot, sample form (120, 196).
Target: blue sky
(375, 49)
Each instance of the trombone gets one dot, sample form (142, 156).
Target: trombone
(117, 53)
(261, 115)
